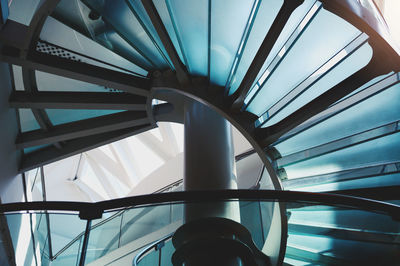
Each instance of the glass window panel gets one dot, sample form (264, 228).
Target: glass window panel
(118, 14)
(228, 22)
(62, 116)
(380, 109)
(191, 23)
(27, 120)
(346, 68)
(41, 235)
(166, 253)
(150, 259)
(250, 217)
(70, 256)
(265, 15)
(19, 226)
(139, 222)
(312, 51)
(177, 213)
(267, 213)
(381, 150)
(104, 238)
(64, 229)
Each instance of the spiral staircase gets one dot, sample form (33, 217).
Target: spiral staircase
(312, 85)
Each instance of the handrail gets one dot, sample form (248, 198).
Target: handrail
(139, 256)
(86, 210)
(70, 243)
(167, 187)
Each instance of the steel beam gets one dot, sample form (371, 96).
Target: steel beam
(343, 54)
(342, 105)
(77, 70)
(345, 175)
(162, 32)
(50, 154)
(268, 135)
(344, 233)
(82, 128)
(339, 144)
(276, 28)
(77, 100)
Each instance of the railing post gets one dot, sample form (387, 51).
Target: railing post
(85, 243)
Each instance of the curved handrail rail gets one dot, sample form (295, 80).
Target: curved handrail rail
(94, 210)
(107, 220)
(70, 243)
(139, 256)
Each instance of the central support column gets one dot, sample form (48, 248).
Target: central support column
(211, 233)
(209, 227)
(209, 155)
(209, 159)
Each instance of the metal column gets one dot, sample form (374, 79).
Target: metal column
(209, 160)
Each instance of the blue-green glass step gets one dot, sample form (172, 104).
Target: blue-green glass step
(51, 82)
(344, 219)
(27, 120)
(326, 250)
(62, 116)
(228, 22)
(76, 16)
(379, 109)
(190, 21)
(134, 28)
(261, 23)
(82, 48)
(367, 182)
(382, 150)
(312, 49)
(113, 41)
(324, 79)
